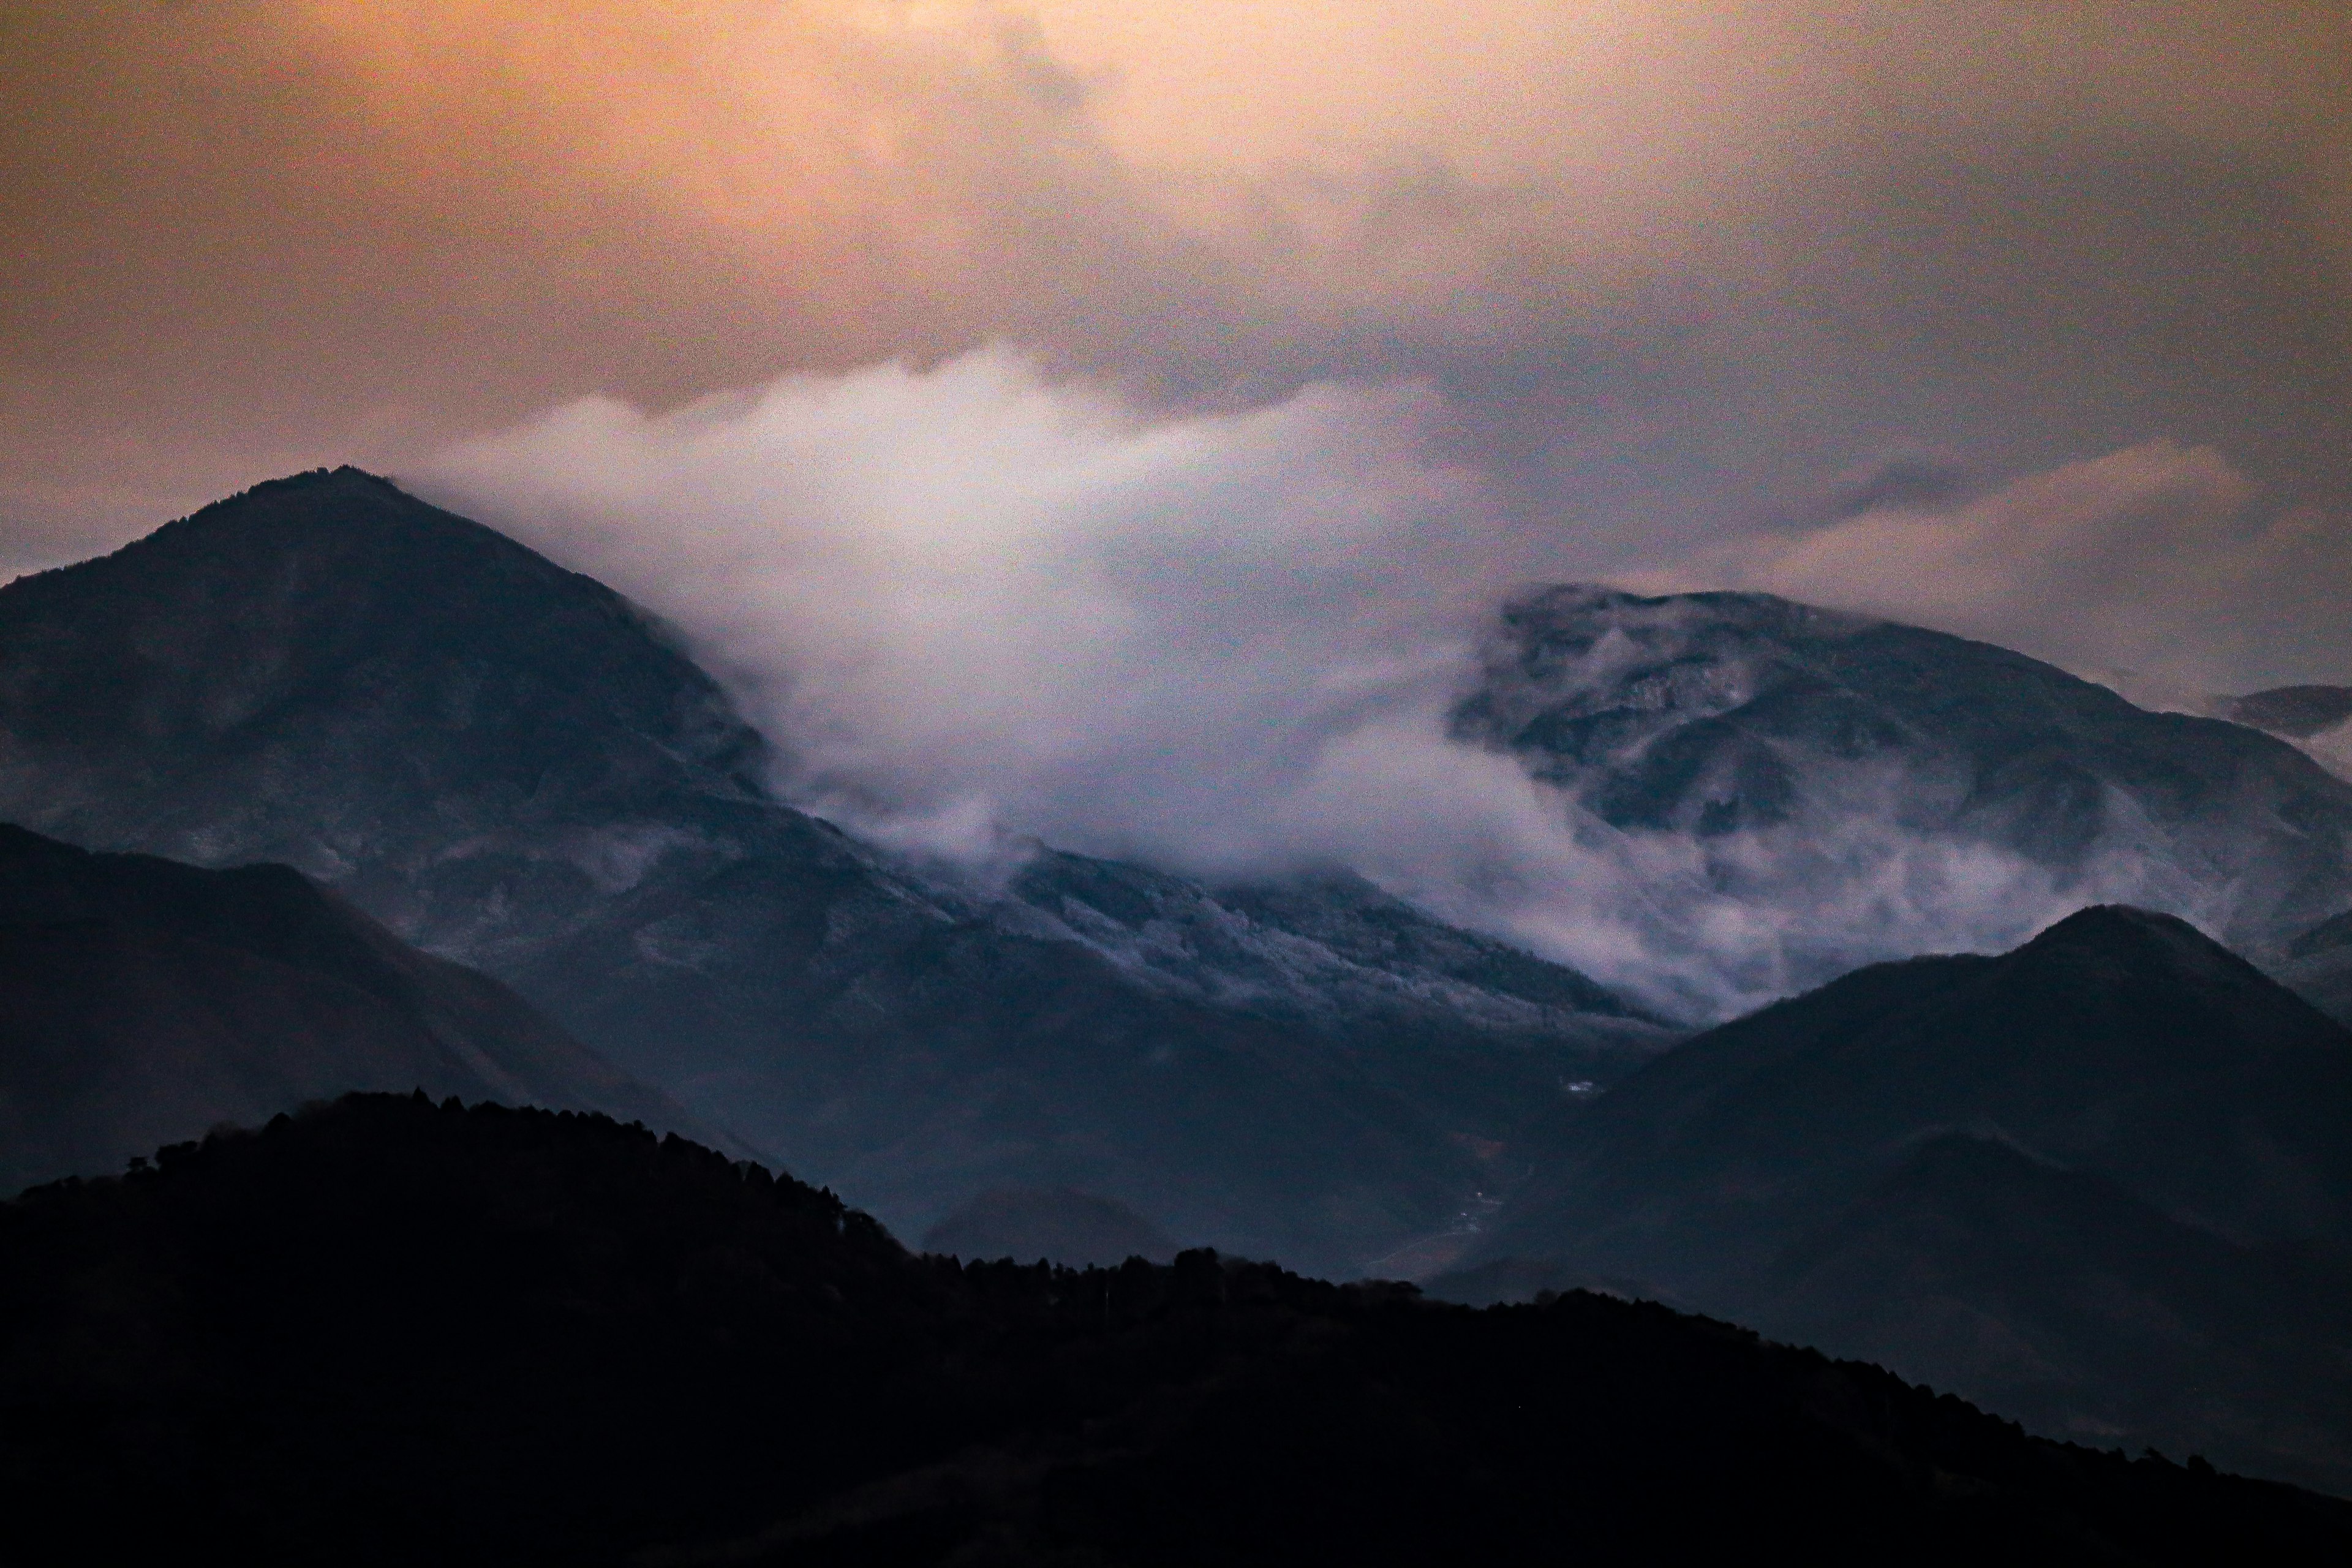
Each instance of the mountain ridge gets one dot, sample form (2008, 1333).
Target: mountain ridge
(1869, 789)
(149, 1000)
(2120, 1062)
(508, 764)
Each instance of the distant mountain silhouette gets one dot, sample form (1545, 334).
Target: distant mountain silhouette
(142, 1002)
(510, 765)
(392, 1333)
(1710, 716)
(2139, 1106)
(2301, 711)
(1026, 1223)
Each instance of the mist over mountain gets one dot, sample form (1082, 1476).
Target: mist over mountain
(980, 598)
(510, 766)
(1810, 791)
(2152, 1175)
(147, 1002)
(586, 1345)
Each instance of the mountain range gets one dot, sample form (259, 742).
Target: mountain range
(148, 1001)
(1873, 790)
(2101, 1182)
(510, 766)
(324, 788)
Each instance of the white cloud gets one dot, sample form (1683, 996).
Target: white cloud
(974, 604)
(2156, 560)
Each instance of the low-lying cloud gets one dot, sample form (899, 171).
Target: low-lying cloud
(977, 605)
(973, 599)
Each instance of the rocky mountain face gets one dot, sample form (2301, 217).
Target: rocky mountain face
(148, 1001)
(510, 765)
(2060, 1181)
(575, 1343)
(1866, 790)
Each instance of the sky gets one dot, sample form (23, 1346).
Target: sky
(1094, 419)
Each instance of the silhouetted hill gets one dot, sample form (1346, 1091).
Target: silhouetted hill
(2119, 1047)
(142, 1002)
(511, 766)
(387, 1331)
(1057, 1225)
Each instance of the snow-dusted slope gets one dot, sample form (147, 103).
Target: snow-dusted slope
(1818, 790)
(506, 763)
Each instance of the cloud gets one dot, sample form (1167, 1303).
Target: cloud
(971, 593)
(976, 603)
(2158, 560)
(1726, 248)
(979, 604)
(1339, 321)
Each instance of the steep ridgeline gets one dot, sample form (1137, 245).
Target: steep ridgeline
(142, 1002)
(2101, 1184)
(389, 1332)
(1873, 790)
(507, 764)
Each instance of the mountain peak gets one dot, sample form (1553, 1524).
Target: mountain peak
(325, 622)
(1761, 731)
(2110, 925)
(2123, 943)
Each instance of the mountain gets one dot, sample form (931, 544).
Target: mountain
(2319, 965)
(2302, 711)
(147, 1001)
(2120, 1084)
(1868, 790)
(2317, 718)
(510, 766)
(387, 1331)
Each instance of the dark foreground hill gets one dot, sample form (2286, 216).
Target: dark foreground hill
(2102, 1182)
(142, 1002)
(388, 1331)
(510, 765)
